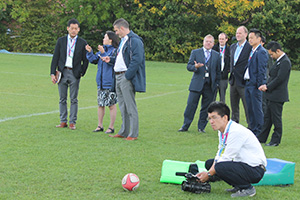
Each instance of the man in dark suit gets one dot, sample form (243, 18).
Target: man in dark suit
(224, 50)
(276, 93)
(239, 58)
(255, 76)
(205, 64)
(70, 59)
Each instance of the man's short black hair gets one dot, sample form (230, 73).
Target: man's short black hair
(73, 21)
(257, 32)
(263, 39)
(221, 108)
(273, 46)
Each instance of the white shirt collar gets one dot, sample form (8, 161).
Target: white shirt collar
(206, 50)
(256, 48)
(238, 44)
(280, 57)
(69, 37)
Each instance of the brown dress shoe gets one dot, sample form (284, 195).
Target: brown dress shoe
(116, 136)
(62, 125)
(72, 126)
(131, 138)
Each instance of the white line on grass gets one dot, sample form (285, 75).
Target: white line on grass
(26, 74)
(22, 94)
(84, 108)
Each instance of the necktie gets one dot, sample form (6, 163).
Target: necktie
(207, 56)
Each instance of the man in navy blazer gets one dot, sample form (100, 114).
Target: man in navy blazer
(239, 58)
(255, 76)
(70, 59)
(205, 64)
(276, 93)
(130, 75)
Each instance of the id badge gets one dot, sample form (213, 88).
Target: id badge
(206, 74)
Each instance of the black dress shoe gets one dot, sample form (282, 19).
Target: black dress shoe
(201, 131)
(271, 144)
(182, 130)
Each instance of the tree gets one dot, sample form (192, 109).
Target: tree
(35, 24)
(234, 13)
(171, 29)
(280, 21)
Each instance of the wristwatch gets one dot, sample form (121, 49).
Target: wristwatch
(209, 176)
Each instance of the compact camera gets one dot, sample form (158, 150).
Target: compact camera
(191, 183)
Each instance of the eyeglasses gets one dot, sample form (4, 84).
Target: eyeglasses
(214, 117)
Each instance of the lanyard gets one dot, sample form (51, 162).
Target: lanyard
(222, 52)
(223, 139)
(252, 52)
(71, 47)
(120, 46)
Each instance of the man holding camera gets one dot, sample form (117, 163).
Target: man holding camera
(240, 159)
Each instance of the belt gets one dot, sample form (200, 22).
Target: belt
(263, 167)
(69, 68)
(122, 72)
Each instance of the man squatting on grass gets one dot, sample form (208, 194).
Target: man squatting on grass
(240, 159)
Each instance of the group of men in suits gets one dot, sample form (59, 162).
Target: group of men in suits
(247, 63)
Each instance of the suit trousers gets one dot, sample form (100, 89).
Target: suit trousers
(128, 108)
(237, 174)
(254, 106)
(222, 90)
(237, 93)
(273, 115)
(68, 80)
(192, 104)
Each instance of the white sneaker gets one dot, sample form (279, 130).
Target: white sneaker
(245, 192)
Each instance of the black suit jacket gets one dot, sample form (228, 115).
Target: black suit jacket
(237, 70)
(226, 70)
(80, 62)
(277, 83)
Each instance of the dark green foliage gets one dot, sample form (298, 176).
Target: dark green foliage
(170, 28)
(280, 21)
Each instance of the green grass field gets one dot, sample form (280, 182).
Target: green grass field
(39, 161)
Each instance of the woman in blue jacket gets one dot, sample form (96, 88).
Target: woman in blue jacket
(105, 79)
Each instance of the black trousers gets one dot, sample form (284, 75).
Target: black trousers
(237, 174)
(192, 104)
(272, 115)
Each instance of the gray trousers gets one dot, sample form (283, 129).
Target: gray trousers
(68, 81)
(128, 108)
(222, 90)
(237, 93)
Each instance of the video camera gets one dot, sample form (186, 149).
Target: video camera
(192, 185)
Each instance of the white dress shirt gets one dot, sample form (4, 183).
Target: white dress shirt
(120, 65)
(241, 146)
(70, 51)
(247, 75)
